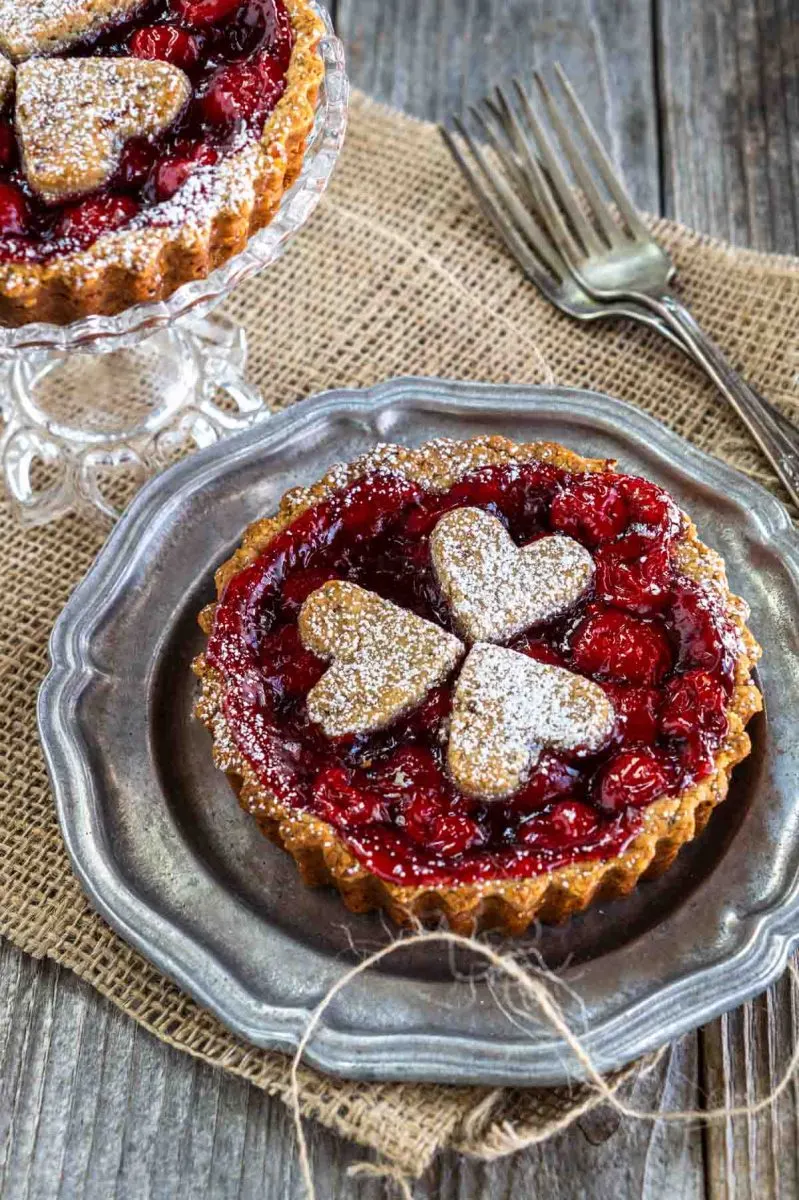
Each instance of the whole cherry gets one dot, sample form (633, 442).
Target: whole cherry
(166, 43)
(84, 222)
(633, 777)
(590, 509)
(170, 174)
(617, 646)
(694, 702)
(566, 824)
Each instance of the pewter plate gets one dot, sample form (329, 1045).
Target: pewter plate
(172, 863)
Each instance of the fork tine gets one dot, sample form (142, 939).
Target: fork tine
(517, 212)
(497, 218)
(509, 124)
(502, 118)
(604, 165)
(502, 108)
(497, 214)
(502, 149)
(497, 137)
(559, 186)
(531, 184)
(602, 214)
(554, 221)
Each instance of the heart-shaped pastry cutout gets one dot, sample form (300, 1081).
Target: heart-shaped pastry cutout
(507, 708)
(385, 660)
(74, 116)
(494, 589)
(29, 27)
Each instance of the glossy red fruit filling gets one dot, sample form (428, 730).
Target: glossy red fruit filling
(138, 160)
(703, 641)
(169, 174)
(614, 645)
(569, 821)
(235, 53)
(694, 703)
(204, 13)
(288, 668)
(241, 92)
(633, 777)
(166, 43)
(637, 712)
(664, 657)
(341, 803)
(15, 216)
(649, 505)
(81, 223)
(590, 510)
(640, 583)
(8, 145)
(540, 649)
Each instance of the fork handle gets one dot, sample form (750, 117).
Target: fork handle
(779, 448)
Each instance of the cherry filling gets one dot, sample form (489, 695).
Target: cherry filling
(236, 54)
(659, 643)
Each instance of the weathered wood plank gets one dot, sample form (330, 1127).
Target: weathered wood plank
(730, 106)
(639, 1160)
(730, 100)
(432, 57)
(745, 1055)
(93, 1106)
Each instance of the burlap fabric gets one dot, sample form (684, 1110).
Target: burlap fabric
(396, 274)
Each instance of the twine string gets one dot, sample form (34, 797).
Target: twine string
(536, 987)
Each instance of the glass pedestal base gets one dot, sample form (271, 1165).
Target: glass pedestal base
(72, 420)
(90, 409)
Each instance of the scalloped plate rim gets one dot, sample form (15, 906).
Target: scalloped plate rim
(760, 957)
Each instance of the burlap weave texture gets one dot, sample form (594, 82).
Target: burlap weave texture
(396, 274)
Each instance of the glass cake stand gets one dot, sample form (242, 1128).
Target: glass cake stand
(92, 408)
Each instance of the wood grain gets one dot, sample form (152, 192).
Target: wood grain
(730, 118)
(433, 57)
(729, 102)
(92, 1106)
(700, 104)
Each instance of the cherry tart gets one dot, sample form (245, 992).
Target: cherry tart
(142, 142)
(478, 681)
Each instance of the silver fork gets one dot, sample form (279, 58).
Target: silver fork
(605, 264)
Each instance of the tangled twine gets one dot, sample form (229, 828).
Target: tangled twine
(536, 988)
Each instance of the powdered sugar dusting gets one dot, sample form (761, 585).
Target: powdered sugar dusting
(495, 590)
(74, 116)
(30, 27)
(507, 708)
(385, 660)
(440, 469)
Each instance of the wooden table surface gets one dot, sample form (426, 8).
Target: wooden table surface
(699, 102)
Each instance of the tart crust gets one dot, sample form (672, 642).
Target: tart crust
(206, 223)
(509, 905)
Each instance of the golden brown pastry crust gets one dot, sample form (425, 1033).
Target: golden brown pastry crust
(141, 265)
(509, 905)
